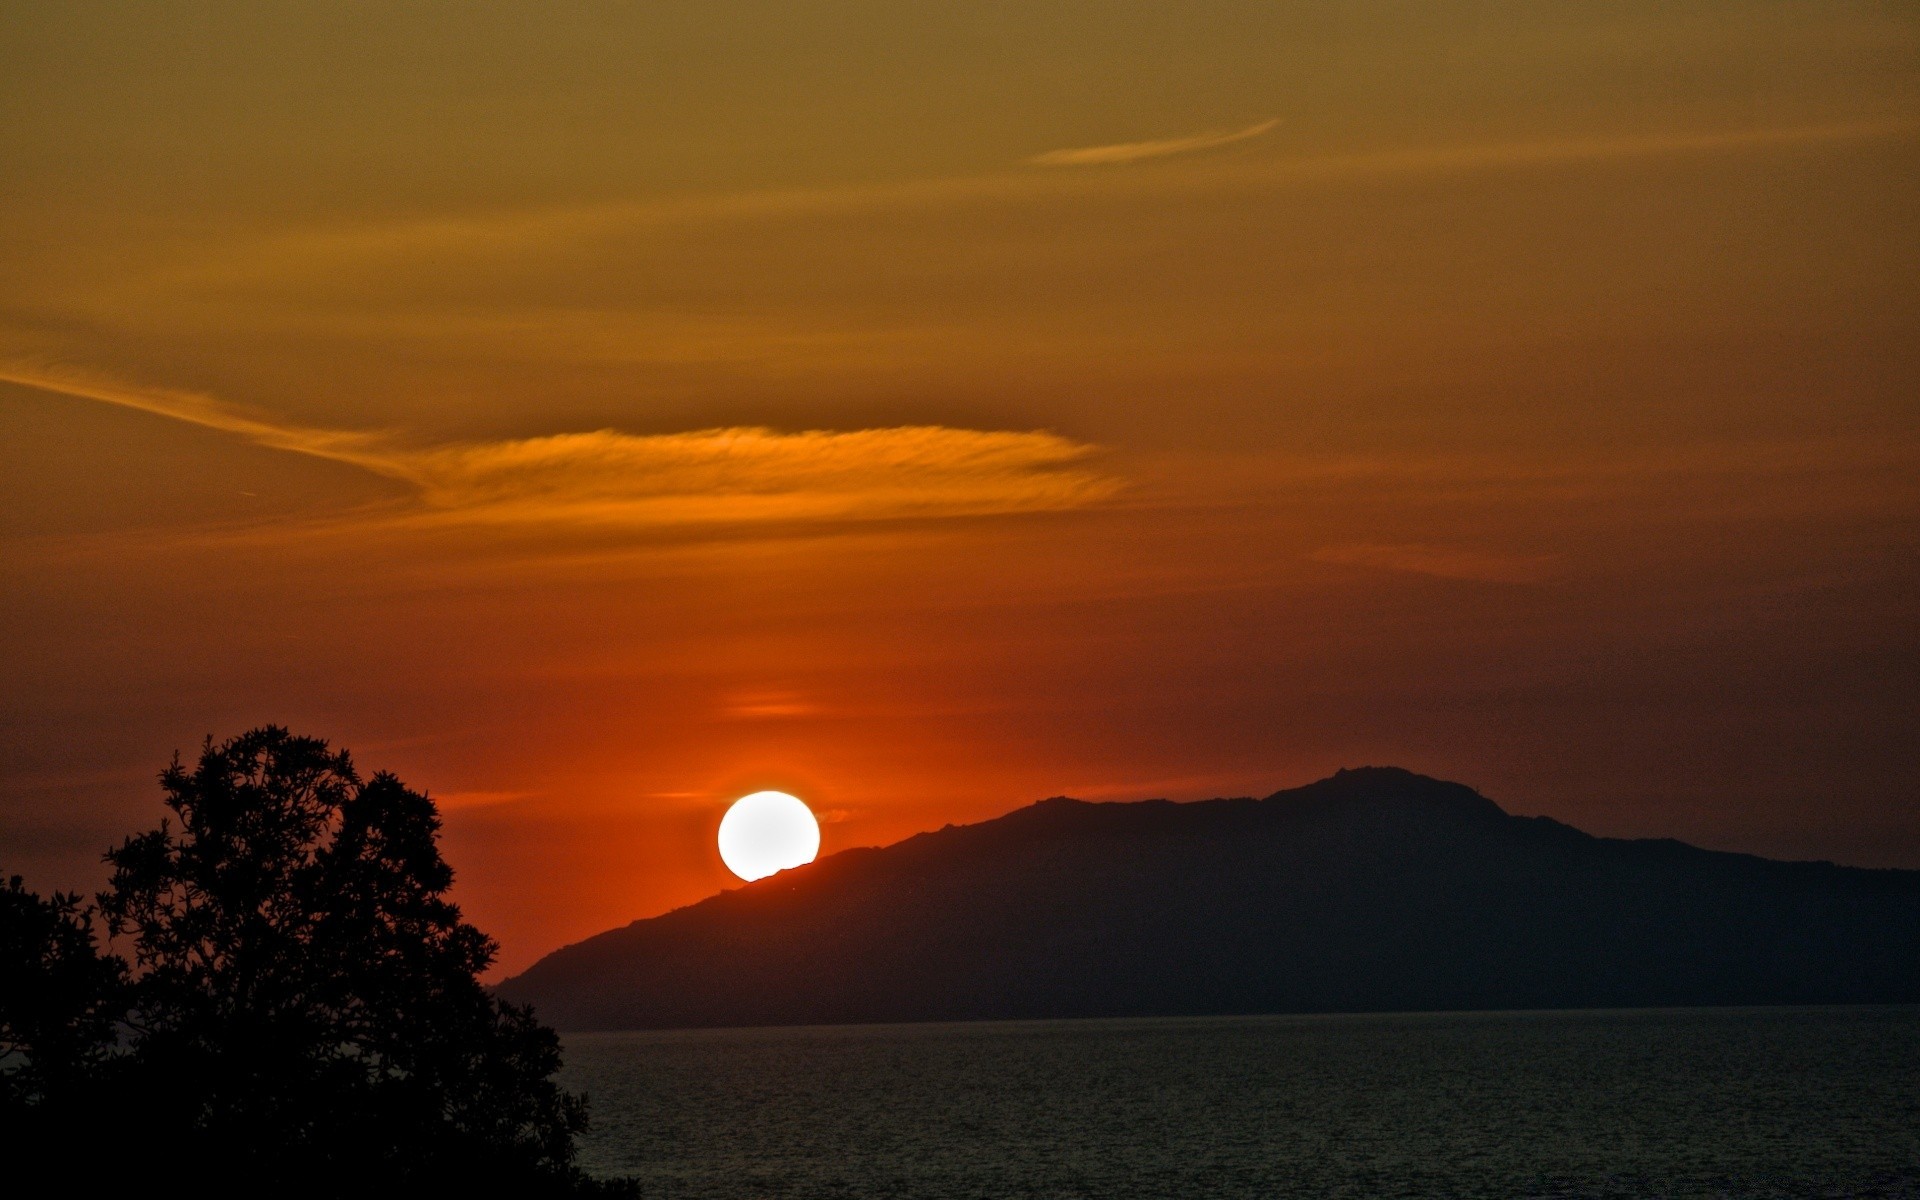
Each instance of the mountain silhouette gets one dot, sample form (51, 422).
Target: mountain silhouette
(1374, 890)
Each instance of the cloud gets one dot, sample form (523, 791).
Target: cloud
(754, 474)
(382, 246)
(1441, 562)
(707, 476)
(195, 408)
(1126, 152)
(455, 800)
(768, 705)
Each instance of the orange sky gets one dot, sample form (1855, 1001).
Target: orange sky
(593, 417)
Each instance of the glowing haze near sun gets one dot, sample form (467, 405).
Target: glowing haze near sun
(767, 832)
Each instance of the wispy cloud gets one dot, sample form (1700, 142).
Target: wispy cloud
(194, 408)
(461, 800)
(1126, 152)
(336, 251)
(754, 474)
(768, 705)
(606, 477)
(1441, 562)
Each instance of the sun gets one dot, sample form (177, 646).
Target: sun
(767, 832)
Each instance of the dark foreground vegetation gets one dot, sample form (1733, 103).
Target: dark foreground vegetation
(1374, 890)
(285, 1004)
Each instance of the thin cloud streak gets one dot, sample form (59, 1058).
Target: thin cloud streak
(609, 478)
(195, 408)
(325, 250)
(1127, 152)
(1440, 562)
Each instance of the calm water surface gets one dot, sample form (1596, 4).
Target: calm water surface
(1697, 1103)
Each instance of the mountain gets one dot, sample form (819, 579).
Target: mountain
(1374, 890)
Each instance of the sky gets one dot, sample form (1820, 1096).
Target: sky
(596, 413)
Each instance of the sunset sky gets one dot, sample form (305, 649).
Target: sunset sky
(596, 412)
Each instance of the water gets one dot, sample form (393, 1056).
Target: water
(1696, 1103)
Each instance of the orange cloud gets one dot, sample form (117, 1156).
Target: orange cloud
(753, 474)
(606, 477)
(334, 250)
(1126, 152)
(769, 705)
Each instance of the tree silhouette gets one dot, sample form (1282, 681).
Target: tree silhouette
(57, 997)
(304, 1013)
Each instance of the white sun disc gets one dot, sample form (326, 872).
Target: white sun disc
(767, 832)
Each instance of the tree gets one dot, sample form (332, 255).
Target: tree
(304, 1013)
(57, 1001)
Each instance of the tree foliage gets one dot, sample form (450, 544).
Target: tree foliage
(303, 1008)
(57, 996)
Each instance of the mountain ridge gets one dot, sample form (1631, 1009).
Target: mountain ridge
(1375, 888)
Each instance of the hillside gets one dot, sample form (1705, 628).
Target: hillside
(1376, 889)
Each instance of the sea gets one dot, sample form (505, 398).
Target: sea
(1760, 1102)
